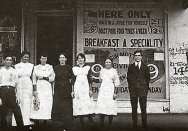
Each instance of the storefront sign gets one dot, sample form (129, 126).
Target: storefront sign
(123, 25)
(117, 30)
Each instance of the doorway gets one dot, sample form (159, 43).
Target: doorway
(54, 36)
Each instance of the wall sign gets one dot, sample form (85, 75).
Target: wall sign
(117, 30)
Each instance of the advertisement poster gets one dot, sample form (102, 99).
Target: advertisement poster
(119, 29)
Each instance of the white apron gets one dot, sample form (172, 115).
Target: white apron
(83, 104)
(25, 88)
(44, 89)
(105, 103)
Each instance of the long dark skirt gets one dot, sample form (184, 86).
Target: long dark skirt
(62, 111)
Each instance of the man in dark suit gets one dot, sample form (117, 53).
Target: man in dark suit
(138, 78)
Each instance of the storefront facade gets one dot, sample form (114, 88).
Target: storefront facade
(103, 28)
(158, 28)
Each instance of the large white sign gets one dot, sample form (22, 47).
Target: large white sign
(117, 30)
(123, 25)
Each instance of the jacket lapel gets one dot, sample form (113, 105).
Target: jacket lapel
(141, 67)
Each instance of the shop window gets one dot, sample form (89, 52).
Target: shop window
(117, 29)
(9, 41)
(10, 29)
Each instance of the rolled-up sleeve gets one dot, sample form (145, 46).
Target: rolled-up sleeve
(34, 77)
(52, 75)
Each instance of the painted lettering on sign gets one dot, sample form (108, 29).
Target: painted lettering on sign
(166, 109)
(154, 71)
(139, 14)
(111, 29)
(95, 42)
(173, 51)
(155, 89)
(147, 43)
(178, 64)
(110, 14)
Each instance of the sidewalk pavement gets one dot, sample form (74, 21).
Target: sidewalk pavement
(123, 122)
(156, 122)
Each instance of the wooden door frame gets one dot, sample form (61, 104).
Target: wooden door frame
(31, 35)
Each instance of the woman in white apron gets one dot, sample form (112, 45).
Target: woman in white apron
(83, 104)
(43, 77)
(24, 87)
(106, 103)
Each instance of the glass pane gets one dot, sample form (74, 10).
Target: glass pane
(10, 29)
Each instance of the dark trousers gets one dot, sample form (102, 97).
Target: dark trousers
(8, 97)
(134, 104)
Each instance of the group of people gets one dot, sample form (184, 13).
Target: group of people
(40, 93)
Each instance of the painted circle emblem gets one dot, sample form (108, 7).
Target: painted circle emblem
(154, 71)
(96, 68)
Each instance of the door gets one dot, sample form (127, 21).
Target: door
(54, 35)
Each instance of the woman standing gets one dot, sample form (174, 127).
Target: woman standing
(83, 104)
(43, 77)
(106, 104)
(62, 101)
(25, 87)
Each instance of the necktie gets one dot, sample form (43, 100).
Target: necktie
(137, 66)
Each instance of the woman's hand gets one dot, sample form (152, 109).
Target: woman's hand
(46, 78)
(1, 102)
(72, 94)
(114, 96)
(40, 77)
(90, 93)
(35, 93)
(18, 100)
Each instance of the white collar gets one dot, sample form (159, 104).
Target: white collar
(139, 64)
